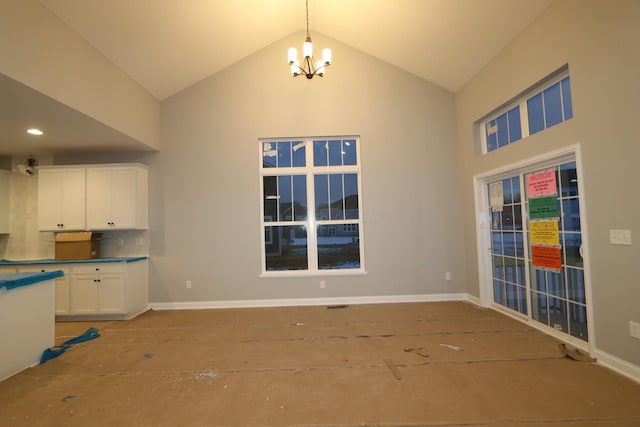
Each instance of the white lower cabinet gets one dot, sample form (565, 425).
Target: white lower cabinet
(98, 290)
(61, 284)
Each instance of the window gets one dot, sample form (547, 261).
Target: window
(547, 105)
(311, 210)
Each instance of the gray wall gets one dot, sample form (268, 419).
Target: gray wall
(599, 41)
(204, 183)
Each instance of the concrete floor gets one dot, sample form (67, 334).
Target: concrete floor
(386, 364)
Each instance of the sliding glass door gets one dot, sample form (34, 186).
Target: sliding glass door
(536, 247)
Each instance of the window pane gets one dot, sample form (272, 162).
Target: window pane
(515, 188)
(509, 244)
(571, 215)
(351, 196)
(507, 217)
(299, 149)
(572, 243)
(336, 194)
(321, 186)
(552, 105)
(349, 152)
(503, 130)
(286, 202)
(335, 153)
(555, 284)
(498, 292)
(287, 248)
(284, 154)
(270, 189)
(539, 309)
(496, 242)
(567, 103)
(536, 116)
(575, 285)
(269, 155)
(569, 179)
(519, 245)
(299, 197)
(515, 131)
(578, 321)
(517, 216)
(558, 314)
(492, 137)
(320, 153)
(338, 247)
(506, 191)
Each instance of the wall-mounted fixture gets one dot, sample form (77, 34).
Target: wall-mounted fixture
(27, 166)
(308, 68)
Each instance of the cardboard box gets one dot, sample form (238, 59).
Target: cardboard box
(77, 245)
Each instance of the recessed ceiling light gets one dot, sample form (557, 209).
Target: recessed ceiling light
(35, 131)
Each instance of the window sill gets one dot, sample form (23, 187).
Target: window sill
(324, 273)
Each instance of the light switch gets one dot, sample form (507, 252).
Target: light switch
(620, 237)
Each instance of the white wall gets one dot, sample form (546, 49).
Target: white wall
(599, 41)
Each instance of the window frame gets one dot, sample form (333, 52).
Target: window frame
(521, 101)
(309, 170)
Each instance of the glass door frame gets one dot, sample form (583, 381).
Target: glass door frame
(572, 153)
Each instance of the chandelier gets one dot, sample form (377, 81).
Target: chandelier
(307, 68)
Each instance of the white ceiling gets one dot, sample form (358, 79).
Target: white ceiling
(168, 45)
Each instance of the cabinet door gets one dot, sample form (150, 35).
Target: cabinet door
(123, 197)
(111, 293)
(61, 199)
(49, 199)
(61, 284)
(73, 199)
(99, 198)
(84, 294)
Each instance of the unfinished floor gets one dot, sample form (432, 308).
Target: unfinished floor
(385, 364)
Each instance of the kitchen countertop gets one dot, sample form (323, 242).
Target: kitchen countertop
(16, 280)
(78, 261)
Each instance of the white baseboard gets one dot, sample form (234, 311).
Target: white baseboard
(289, 302)
(618, 365)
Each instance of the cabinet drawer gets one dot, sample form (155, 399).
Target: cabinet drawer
(43, 269)
(99, 268)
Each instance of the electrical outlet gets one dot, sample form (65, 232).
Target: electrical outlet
(447, 276)
(188, 284)
(323, 284)
(634, 329)
(120, 242)
(620, 237)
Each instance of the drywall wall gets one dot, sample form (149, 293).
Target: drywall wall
(205, 183)
(41, 52)
(599, 41)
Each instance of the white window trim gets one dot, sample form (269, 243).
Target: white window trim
(311, 223)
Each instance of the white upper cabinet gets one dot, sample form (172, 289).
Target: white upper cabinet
(117, 197)
(5, 197)
(61, 198)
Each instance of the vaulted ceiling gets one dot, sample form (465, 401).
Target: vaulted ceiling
(168, 45)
